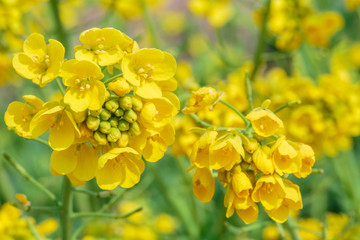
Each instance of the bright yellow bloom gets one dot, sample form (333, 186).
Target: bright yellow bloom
(285, 157)
(105, 46)
(85, 90)
(292, 201)
(307, 157)
(119, 86)
(270, 191)
(203, 184)
(200, 155)
(19, 115)
(39, 62)
(262, 160)
(352, 5)
(264, 122)
(145, 68)
(241, 183)
(60, 122)
(203, 98)
(119, 166)
(165, 224)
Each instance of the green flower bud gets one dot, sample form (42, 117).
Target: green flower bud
(92, 123)
(113, 121)
(119, 112)
(135, 129)
(130, 116)
(123, 140)
(114, 135)
(112, 105)
(100, 138)
(123, 125)
(95, 113)
(125, 102)
(105, 114)
(137, 104)
(105, 127)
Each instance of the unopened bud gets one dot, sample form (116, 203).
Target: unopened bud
(112, 105)
(105, 127)
(124, 139)
(130, 116)
(125, 102)
(251, 145)
(114, 135)
(113, 121)
(137, 104)
(107, 95)
(119, 86)
(80, 116)
(119, 112)
(95, 113)
(123, 125)
(100, 138)
(135, 129)
(92, 123)
(244, 165)
(247, 158)
(105, 114)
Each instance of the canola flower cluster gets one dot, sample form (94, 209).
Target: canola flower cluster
(328, 108)
(101, 127)
(292, 22)
(14, 225)
(252, 162)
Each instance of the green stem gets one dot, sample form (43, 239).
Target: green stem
(317, 171)
(44, 208)
(113, 78)
(42, 141)
(205, 124)
(105, 215)
(290, 225)
(102, 194)
(262, 40)
(150, 25)
(249, 91)
(238, 230)
(319, 234)
(281, 231)
(54, 5)
(289, 104)
(32, 229)
(246, 121)
(29, 178)
(60, 86)
(66, 221)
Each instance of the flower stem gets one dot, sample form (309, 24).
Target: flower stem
(289, 104)
(29, 178)
(262, 40)
(205, 124)
(105, 215)
(60, 86)
(102, 194)
(150, 25)
(112, 78)
(66, 221)
(291, 227)
(247, 122)
(42, 141)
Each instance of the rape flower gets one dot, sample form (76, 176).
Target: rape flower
(85, 90)
(203, 184)
(307, 157)
(263, 161)
(201, 150)
(264, 122)
(285, 157)
(203, 98)
(19, 115)
(39, 62)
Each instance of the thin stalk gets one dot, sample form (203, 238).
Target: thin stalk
(238, 230)
(29, 178)
(42, 141)
(288, 104)
(67, 205)
(150, 25)
(102, 194)
(262, 40)
(105, 215)
(246, 121)
(281, 231)
(290, 225)
(44, 208)
(205, 124)
(32, 229)
(60, 86)
(112, 78)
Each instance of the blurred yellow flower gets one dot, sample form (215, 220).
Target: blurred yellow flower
(204, 97)
(203, 184)
(264, 122)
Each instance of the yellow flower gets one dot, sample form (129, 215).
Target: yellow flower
(200, 155)
(241, 183)
(203, 184)
(84, 91)
(39, 62)
(313, 225)
(145, 68)
(270, 191)
(165, 224)
(352, 5)
(292, 201)
(119, 166)
(80, 159)
(203, 98)
(104, 46)
(262, 160)
(226, 151)
(19, 115)
(119, 86)
(62, 125)
(307, 157)
(285, 157)
(264, 122)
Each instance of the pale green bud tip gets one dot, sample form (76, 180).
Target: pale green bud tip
(125, 102)
(95, 113)
(137, 104)
(123, 125)
(112, 105)
(100, 138)
(105, 127)
(92, 123)
(135, 129)
(105, 114)
(123, 140)
(119, 112)
(114, 135)
(130, 116)
(113, 121)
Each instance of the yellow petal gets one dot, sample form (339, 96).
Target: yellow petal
(62, 135)
(203, 184)
(35, 45)
(64, 162)
(87, 163)
(148, 90)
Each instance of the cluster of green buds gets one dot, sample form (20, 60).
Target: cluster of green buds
(116, 121)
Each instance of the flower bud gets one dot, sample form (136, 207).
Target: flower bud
(92, 123)
(95, 113)
(123, 125)
(105, 114)
(107, 95)
(251, 145)
(130, 116)
(124, 139)
(80, 116)
(137, 104)
(113, 121)
(135, 129)
(100, 138)
(105, 127)
(112, 105)
(125, 102)
(114, 135)
(119, 112)
(119, 86)
(247, 158)
(244, 165)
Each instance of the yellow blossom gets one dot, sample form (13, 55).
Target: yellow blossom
(200, 155)
(119, 86)
(165, 224)
(203, 98)
(307, 157)
(264, 122)
(262, 160)
(203, 184)
(39, 62)
(285, 157)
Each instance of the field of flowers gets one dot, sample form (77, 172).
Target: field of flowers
(181, 120)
